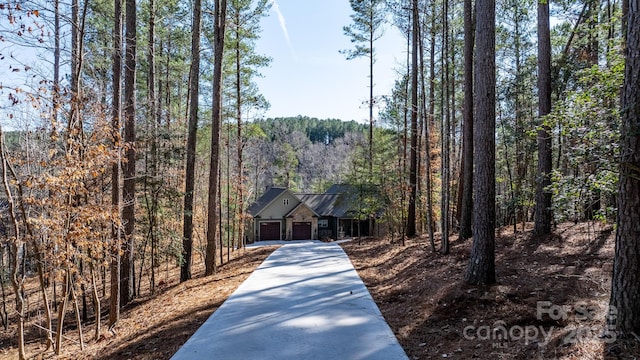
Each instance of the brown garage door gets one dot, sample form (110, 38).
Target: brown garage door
(301, 231)
(270, 230)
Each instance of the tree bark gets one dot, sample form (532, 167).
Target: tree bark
(446, 131)
(413, 166)
(240, 179)
(543, 213)
(481, 269)
(194, 94)
(625, 282)
(129, 182)
(17, 280)
(152, 123)
(114, 299)
(466, 211)
(216, 116)
(427, 123)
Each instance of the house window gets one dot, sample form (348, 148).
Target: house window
(285, 202)
(323, 223)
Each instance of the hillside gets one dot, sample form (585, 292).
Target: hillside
(550, 301)
(422, 296)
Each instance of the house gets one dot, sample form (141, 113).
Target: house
(280, 214)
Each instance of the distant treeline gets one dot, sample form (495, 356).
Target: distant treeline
(317, 130)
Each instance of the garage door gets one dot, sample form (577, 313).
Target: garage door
(270, 230)
(301, 231)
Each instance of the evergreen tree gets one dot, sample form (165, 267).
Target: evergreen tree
(625, 284)
(543, 212)
(481, 268)
(368, 17)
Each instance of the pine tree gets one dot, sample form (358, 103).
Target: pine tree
(625, 283)
(481, 269)
(220, 19)
(543, 213)
(194, 95)
(366, 29)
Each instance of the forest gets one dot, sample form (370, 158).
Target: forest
(139, 140)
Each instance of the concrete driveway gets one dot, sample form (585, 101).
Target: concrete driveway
(305, 301)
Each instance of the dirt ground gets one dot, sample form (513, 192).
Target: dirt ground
(153, 327)
(549, 303)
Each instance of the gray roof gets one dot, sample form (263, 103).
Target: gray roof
(338, 201)
(341, 189)
(265, 200)
(302, 203)
(329, 205)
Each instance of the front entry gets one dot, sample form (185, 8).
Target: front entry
(301, 231)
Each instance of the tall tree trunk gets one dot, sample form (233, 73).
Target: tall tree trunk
(481, 269)
(413, 166)
(427, 124)
(430, 125)
(521, 164)
(152, 122)
(127, 289)
(114, 299)
(56, 65)
(446, 130)
(189, 187)
(212, 219)
(625, 282)
(240, 179)
(372, 58)
(466, 211)
(543, 214)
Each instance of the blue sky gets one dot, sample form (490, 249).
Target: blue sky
(308, 76)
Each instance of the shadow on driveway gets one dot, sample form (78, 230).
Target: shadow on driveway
(305, 301)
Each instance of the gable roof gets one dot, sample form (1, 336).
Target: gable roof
(339, 201)
(301, 205)
(326, 204)
(264, 200)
